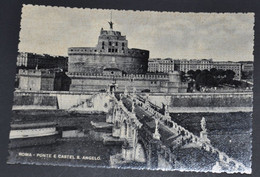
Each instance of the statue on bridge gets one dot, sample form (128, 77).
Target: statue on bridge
(133, 107)
(134, 92)
(166, 111)
(126, 91)
(146, 103)
(156, 134)
(204, 133)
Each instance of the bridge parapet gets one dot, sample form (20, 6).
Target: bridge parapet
(187, 136)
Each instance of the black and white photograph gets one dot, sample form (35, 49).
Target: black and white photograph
(169, 91)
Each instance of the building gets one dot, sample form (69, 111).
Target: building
(112, 63)
(151, 82)
(228, 65)
(168, 65)
(42, 79)
(111, 52)
(247, 66)
(158, 65)
(153, 65)
(31, 61)
(193, 64)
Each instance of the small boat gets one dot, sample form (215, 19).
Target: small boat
(101, 124)
(31, 134)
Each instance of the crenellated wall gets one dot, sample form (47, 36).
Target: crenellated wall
(159, 83)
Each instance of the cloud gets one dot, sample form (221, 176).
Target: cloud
(221, 36)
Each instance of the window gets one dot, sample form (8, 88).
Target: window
(123, 44)
(109, 50)
(116, 43)
(110, 43)
(115, 50)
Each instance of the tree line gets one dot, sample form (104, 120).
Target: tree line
(210, 78)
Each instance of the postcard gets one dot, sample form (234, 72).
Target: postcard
(133, 89)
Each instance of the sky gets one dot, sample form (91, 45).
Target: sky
(219, 36)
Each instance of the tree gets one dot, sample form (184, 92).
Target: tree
(205, 79)
(191, 73)
(247, 75)
(197, 72)
(214, 72)
(182, 76)
(220, 73)
(230, 74)
(202, 78)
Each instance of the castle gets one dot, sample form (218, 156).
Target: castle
(111, 52)
(112, 63)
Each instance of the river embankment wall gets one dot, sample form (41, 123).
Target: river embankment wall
(47, 100)
(178, 102)
(205, 102)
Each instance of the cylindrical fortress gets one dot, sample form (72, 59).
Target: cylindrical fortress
(111, 52)
(112, 62)
(91, 60)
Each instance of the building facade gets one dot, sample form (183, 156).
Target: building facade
(168, 65)
(193, 64)
(247, 66)
(111, 52)
(153, 82)
(228, 65)
(158, 65)
(42, 79)
(32, 60)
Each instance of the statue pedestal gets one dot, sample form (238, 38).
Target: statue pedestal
(204, 136)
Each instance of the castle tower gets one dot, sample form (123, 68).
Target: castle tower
(174, 77)
(111, 54)
(111, 41)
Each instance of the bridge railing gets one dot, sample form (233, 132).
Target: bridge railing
(83, 102)
(223, 157)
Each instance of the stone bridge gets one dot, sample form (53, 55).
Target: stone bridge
(153, 140)
(140, 122)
